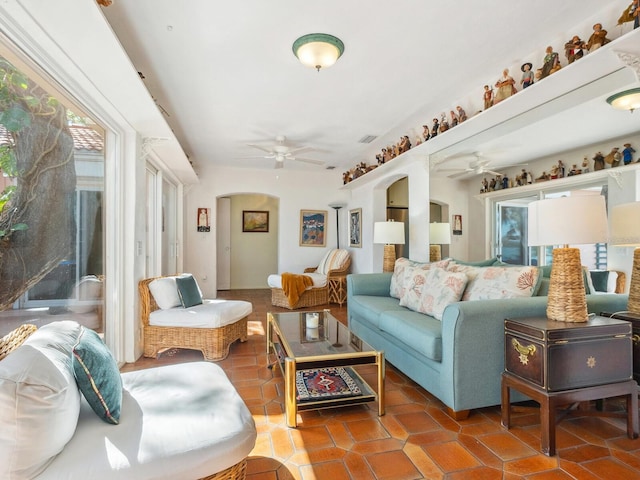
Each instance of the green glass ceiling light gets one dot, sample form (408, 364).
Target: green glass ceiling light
(627, 100)
(318, 50)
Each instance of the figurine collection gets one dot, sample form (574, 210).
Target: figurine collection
(505, 86)
(614, 158)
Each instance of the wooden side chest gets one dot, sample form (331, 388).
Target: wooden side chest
(559, 356)
(635, 337)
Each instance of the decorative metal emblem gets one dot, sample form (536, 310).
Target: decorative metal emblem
(591, 362)
(523, 352)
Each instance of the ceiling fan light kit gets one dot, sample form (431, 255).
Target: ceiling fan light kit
(625, 100)
(318, 50)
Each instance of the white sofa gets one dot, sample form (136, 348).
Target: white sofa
(182, 421)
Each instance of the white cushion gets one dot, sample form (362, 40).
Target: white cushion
(178, 422)
(209, 314)
(319, 280)
(39, 400)
(612, 281)
(165, 292)
(441, 289)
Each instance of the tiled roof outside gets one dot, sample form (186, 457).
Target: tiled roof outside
(84, 138)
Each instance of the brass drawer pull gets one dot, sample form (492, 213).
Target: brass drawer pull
(523, 351)
(636, 338)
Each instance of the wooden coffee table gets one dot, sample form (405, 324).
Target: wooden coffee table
(332, 344)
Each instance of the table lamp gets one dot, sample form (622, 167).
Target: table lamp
(567, 221)
(625, 232)
(389, 233)
(439, 234)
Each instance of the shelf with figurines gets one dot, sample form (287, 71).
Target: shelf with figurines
(592, 71)
(613, 164)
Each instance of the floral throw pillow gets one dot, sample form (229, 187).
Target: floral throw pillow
(503, 282)
(403, 273)
(441, 288)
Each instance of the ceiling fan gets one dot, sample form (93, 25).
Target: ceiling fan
(280, 152)
(478, 166)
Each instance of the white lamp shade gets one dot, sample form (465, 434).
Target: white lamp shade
(439, 233)
(625, 225)
(575, 220)
(388, 233)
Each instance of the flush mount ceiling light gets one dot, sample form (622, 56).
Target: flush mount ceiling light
(627, 100)
(318, 50)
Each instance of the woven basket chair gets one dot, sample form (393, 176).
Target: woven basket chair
(312, 297)
(236, 472)
(14, 339)
(214, 343)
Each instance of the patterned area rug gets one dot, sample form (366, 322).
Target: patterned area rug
(324, 383)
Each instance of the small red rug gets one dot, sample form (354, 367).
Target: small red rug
(325, 383)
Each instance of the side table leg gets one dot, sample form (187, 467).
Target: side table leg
(632, 413)
(506, 404)
(290, 405)
(547, 426)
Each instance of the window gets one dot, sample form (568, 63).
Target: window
(51, 223)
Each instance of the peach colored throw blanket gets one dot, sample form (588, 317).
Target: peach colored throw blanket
(294, 285)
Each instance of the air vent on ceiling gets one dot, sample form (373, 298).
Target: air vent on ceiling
(331, 167)
(367, 139)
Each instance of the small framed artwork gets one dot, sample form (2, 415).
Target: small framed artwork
(313, 225)
(203, 220)
(355, 228)
(457, 224)
(255, 221)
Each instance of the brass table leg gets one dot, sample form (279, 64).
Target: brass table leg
(290, 405)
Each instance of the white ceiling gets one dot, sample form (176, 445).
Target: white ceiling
(225, 74)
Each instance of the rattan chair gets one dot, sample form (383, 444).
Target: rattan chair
(214, 343)
(312, 297)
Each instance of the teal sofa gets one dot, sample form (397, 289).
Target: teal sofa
(460, 359)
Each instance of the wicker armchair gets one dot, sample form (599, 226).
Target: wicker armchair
(214, 343)
(314, 296)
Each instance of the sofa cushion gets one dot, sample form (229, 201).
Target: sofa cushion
(480, 263)
(182, 421)
(441, 288)
(188, 291)
(97, 375)
(418, 331)
(367, 308)
(333, 260)
(211, 313)
(165, 292)
(502, 282)
(39, 400)
(603, 281)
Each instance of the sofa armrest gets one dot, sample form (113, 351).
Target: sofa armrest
(375, 284)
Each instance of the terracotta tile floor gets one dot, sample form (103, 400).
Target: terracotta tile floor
(416, 439)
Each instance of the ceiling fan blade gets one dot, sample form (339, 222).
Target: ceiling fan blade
(259, 147)
(301, 149)
(307, 160)
(492, 172)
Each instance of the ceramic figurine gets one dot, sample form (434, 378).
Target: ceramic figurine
(527, 75)
(550, 64)
(597, 39)
(505, 87)
(444, 125)
(585, 165)
(492, 185)
(631, 14)
(627, 153)
(380, 159)
(505, 182)
(613, 157)
(425, 133)
(462, 115)
(598, 161)
(485, 185)
(573, 49)
(543, 177)
(418, 140)
(487, 97)
(435, 127)
(454, 119)
(561, 169)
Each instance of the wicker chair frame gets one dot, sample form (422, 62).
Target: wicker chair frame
(214, 343)
(236, 472)
(312, 297)
(14, 339)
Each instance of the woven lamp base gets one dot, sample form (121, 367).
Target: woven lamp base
(634, 288)
(435, 253)
(389, 259)
(567, 301)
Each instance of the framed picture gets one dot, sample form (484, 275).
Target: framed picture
(203, 220)
(355, 228)
(255, 221)
(313, 225)
(457, 224)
